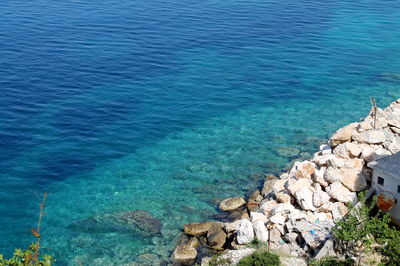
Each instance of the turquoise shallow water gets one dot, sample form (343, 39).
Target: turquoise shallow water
(169, 106)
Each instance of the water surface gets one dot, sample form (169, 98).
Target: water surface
(169, 106)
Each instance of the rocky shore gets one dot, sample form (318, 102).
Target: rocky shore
(295, 212)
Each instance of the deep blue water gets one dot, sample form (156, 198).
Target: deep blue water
(169, 106)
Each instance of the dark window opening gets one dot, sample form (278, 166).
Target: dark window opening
(380, 181)
(398, 189)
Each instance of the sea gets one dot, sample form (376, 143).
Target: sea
(162, 108)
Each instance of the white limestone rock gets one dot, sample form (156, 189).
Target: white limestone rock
(278, 186)
(341, 193)
(305, 169)
(322, 160)
(333, 175)
(320, 198)
(319, 177)
(293, 184)
(342, 135)
(282, 207)
(278, 218)
(284, 197)
(275, 236)
(297, 214)
(267, 206)
(353, 179)
(339, 210)
(336, 162)
(325, 149)
(234, 256)
(245, 232)
(304, 197)
(370, 137)
(232, 227)
(347, 150)
(356, 164)
(261, 231)
(258, 216)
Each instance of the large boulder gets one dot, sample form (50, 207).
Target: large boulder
(275, 236)
(245, 232)
(284, 197)
(261, 232)
(268, 186)
(320, 198)
(197, 229)
(282, 207)
(322, 160)
(258, 216)
(356, 164)
(347, 150)
(341, 193)
(305, 169)
(216, 237)
(353, 179)
(325, 149)
(394, 145)
(278, 218)
(304, 197)
(370, 137)
(232, 227)
(231, 204)
(319, 177)
(294, 184)
(184, 255)
(278, 186)
(344, 134)
(332, 175)
(267, 206)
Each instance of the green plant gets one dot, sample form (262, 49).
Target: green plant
(31, 255)
(260, 258)
(218, 261)
(331, 261)
(257, 244)
(368, 229)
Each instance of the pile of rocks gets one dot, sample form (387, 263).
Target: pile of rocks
(295, 212)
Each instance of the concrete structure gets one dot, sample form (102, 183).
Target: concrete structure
(386, 178)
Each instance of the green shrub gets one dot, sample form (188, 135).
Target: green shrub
(331, 261)
(366, 226)
(31, 256)
(26, 257)
(260, 258)
(217, 261)
(257, 244)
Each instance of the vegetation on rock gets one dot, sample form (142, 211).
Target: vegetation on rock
(367, 230)
(218, 261)
(331, 261)
(260, 258)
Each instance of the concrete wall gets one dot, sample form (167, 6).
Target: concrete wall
(390, 185)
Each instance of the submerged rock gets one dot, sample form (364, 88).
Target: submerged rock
(137, 221)
(231, 204)
(184, 255)
(287, 152)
